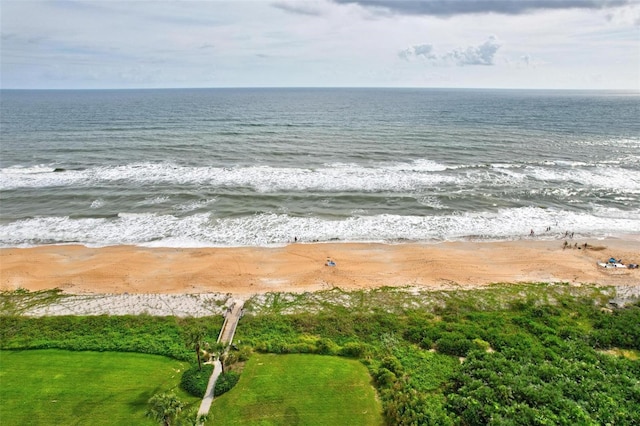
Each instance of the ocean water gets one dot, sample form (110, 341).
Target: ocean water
(260, 167)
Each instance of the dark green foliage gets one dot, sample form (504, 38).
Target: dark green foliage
(226, 381)
(143, 333)
(454, 344)
(237, 354)
(385, 378)
(195, 380)
(326, 347)
(581, 388)
(164, 408)
(392, 364)
(353, 350)
(617, 329)
(531, 362)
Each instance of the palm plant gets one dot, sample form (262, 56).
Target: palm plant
(164, 408)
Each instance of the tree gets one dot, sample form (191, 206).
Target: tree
(193, 337)
(164, 407)
(191, 418)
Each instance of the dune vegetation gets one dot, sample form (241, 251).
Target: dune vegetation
(504, 354)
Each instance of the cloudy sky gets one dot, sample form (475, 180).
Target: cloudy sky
(558, 44)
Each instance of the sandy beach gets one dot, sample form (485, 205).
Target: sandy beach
(302, 267)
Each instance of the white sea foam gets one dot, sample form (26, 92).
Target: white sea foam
(28, 170)
(155, 200)
(96, 204)
(335, 177)
(598, 177)
(420, 165)
(269, 229)
(195, 205)
(432, 202)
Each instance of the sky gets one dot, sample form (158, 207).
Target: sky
(530, 44)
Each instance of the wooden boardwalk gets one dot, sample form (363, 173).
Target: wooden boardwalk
(230, 323)
(231, 319)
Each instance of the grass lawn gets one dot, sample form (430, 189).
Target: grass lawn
(55, 387)
(299, 389)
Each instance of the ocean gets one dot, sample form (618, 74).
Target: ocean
(265, 167)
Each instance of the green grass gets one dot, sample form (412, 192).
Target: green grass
(47, 387)
(299, 390)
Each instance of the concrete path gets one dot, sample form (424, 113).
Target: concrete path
(229, 326)
(205, 405)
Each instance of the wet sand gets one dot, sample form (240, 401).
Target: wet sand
(301, 267)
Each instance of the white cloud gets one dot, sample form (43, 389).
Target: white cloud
(629, 15)
(167, 43)
(422, 50)
(475, 55)
(482, 54)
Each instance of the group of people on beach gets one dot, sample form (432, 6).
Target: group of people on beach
(567, 234)
(575, 245)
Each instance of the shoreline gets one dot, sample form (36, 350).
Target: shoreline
(301, 267)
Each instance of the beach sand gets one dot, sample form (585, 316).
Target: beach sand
(301, 267)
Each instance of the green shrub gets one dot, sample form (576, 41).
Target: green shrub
(226, 381)
(241, 354)
(480, 345)
(195, 381)
(392, 364)
(454, 344)
(326, 347)
(127, 333)
(385, 378)
(301, 348)
(353, 350)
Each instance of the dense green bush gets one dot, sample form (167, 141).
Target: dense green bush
(581, 388)
(238, 354)
(195, 381)
(128, 333)
(326, 347)
(226, 381)
(353, 350)
(454, 344)
(619, 328)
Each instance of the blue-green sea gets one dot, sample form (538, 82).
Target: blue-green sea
(261, 167)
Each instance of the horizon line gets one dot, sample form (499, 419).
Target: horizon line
(635, 90)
